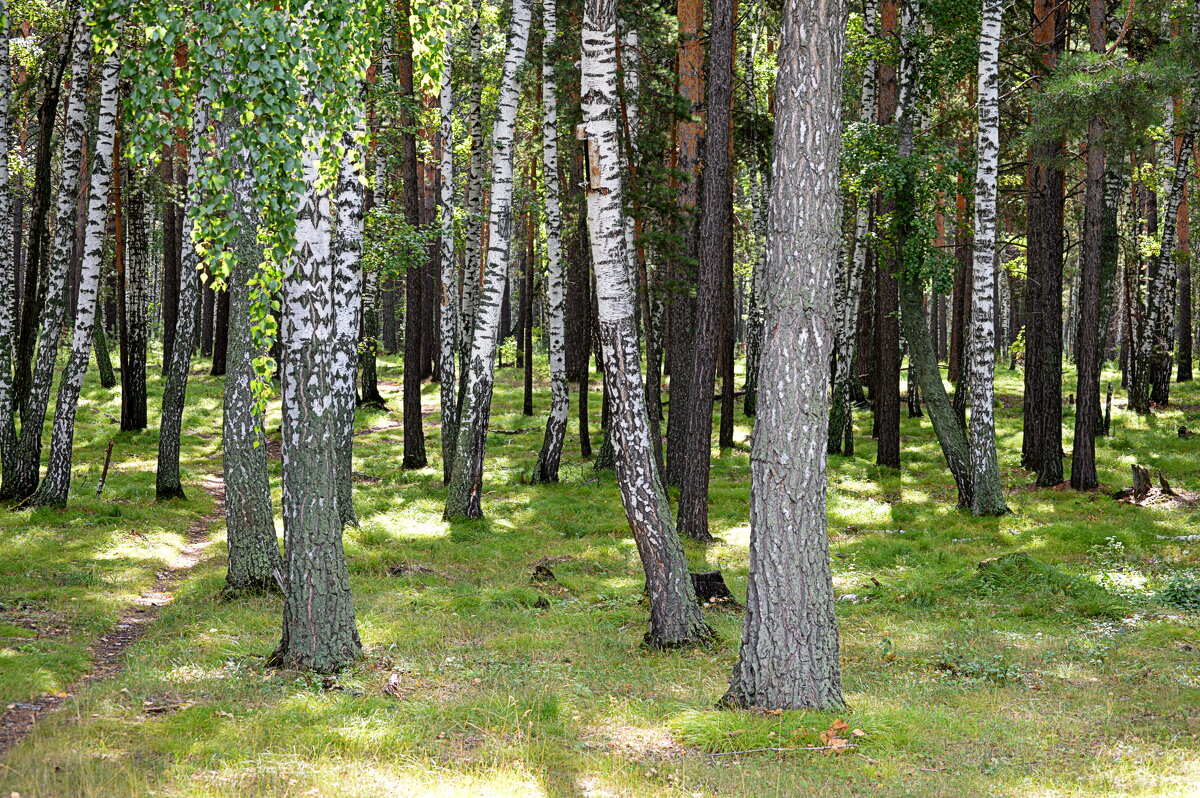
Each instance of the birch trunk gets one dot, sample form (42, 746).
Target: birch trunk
(675, 618)
(466, 478)
(789, 649)
(841, 419)
(987, 491)
(560, 392)
(319, 631)
(21, 480)
(347, 298)
(168, 484)
(473, 242)
(8, 265)
(57, 482)
(449, 300)
(135, 296)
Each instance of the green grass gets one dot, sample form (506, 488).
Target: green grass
(1061, 672)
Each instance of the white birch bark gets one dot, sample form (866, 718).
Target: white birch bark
(466, 481)
(347, 299)
(22, 479)
(988, 492)
(449, 331)
(56, 484)
(473, 243)
(674, 615)
(167, 479)
(850, 285)
(560, 392)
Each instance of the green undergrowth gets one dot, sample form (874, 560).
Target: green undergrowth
(1053, 651)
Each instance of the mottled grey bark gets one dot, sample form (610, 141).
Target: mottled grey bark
(675, 618)
(789, 651)
(167, 483)
(57, 482)
(449, 295)
(466, 478)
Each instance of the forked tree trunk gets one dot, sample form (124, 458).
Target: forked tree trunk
(675, 618)
(987, 491)
(789, 651)
(560, 392)
(466, 479)
(841, 420)
(57, 483)
(21, 480)
(449, 300)
(167, 483)
(347, 298)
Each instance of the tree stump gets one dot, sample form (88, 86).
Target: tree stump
(1141, 482)
(711, 589)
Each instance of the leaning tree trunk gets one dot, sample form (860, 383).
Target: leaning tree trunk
(448, 337)
(319, 632)
(57, 482)
(789, 650)
(466, 477)
(21, 479)
(987, 491)
(254, 561)
(675, 618)
(168, 484)
(347, 297)
(560, 392)
(713, 249)
(849, 291)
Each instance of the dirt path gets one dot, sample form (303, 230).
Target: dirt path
(19, 718)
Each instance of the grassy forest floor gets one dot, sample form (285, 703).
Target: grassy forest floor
(1075, 672)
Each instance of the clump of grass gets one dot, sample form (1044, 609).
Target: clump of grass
(963, 662)
(1038, 588)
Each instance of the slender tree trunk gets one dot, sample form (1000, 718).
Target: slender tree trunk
(168, 484)
(1183, 329)
(22, 479)
(466, 479)
(449, 299)
(220, 349)
(473, 238)
(208, 306)
(560, 392)
(1088, 421)
(988, 491)
(675, 618)
(716, 218)
(347, 299)
(9, 249)
(841, 420)
(170, 262)
(754, 329)
(525, 345)
(789, 651)
(886, 393)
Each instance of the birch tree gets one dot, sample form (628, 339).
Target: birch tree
(319, 632)
(675, 617)
(789, 650)
(987, 491)
(21, 470)
(449, 331)
(8, 266)
(57, 482)
(347, 298)
(473, 239)
(466, 476)
(560, 392)
(849, 288)
(167, 483)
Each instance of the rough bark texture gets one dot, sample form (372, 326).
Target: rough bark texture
(988, 492)
(134, 288)
(8, 263)
(713, 248)
(789, 651)
(21, 469)
(319, 631)
(167, 483)
(560, 392)
(466, 478)
(886, 392)
(57, 482)
(449, 295)
(254, 560)
(675, 618)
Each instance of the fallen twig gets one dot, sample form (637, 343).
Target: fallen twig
(789, 748)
